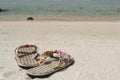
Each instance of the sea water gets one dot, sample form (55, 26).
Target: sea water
(58, 9)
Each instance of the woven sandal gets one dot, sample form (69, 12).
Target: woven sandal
(25, 54)
(51, 64)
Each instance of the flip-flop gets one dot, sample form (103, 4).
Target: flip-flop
(24, 55)
(51, 65)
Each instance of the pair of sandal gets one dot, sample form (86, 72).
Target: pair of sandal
(41, 65)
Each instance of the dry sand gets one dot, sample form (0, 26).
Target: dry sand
(95, 47)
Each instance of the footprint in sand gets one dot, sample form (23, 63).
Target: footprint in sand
(8, 74)
(1, 67)
(19, 75)
(4, 33)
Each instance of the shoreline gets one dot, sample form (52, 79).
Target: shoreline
(88, 19)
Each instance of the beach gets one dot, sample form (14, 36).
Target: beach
(93, 45)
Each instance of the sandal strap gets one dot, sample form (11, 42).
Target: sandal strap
(51, 56)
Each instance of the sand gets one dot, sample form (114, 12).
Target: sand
(95, 47)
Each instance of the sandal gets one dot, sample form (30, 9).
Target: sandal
(25, 54)
(51, 62)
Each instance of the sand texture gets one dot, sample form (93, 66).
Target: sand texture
(95, 46)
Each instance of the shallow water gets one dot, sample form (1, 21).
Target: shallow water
(41, 9)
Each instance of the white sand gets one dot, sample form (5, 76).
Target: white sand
(95, 47)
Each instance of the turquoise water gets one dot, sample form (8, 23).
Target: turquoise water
(41, 9)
